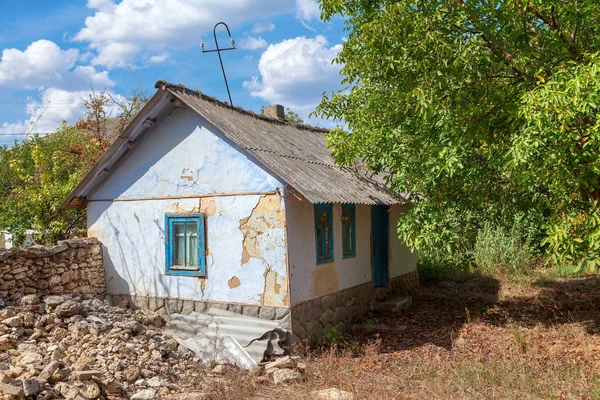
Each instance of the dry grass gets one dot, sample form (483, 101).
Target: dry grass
(477, 339)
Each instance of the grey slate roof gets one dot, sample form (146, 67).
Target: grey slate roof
(296, 153)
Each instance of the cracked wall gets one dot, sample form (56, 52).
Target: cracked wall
(245, 232)
(263, 238)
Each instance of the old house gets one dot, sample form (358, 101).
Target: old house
(200, 203)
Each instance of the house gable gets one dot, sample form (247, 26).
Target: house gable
(183, 155)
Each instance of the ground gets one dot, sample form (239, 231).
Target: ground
(474, 338)
(480, 337)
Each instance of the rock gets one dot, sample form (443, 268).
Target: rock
(130, 374)
(286, 375)
(60, 375)
(31, 358)
(2, 303)
(89, 390)
(85, 375)
(68, 309)
(13, 322)
(4, 378)
(331, 394)
(49, 370)
(69, 392)
(156, 381)
(31, 387)
(30, 300)
(7, 344)
(146, 394)
(54, 301)
(11, 390)
(283, 362)
(219, 369)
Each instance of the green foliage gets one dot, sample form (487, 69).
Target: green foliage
(497, 249)
(293, 116)
(483, 111)
(37, 176)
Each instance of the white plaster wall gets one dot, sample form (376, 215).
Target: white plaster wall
(309, 280)
(402, 260)
(134, 251)
(183, 155)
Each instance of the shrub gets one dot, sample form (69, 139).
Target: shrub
(498, 249)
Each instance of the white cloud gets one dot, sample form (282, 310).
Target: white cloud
(43, 63)
(251, 43)
(307, 10)
(54, 107)
(263, 26)
(159, 58)
(120, 31)
(12, 128)
(296, 72)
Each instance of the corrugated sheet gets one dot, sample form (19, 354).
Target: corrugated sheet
(296, 153)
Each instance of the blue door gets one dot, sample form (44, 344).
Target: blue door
(379, 244)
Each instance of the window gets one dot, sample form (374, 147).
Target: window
(184, 242)
(349, 230)
(324, 232)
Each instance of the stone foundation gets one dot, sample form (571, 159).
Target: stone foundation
(166, 306)
(338, 310)
(72, 266)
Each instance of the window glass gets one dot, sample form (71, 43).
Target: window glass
(184, 242)
(324, 232)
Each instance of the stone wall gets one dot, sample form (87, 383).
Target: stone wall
(72, 266)
(337, 310)
(166, 306)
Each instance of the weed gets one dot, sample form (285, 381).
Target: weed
(369, 325)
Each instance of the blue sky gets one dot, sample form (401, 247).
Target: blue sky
(54, 52)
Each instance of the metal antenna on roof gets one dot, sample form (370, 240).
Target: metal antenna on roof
(218, 51)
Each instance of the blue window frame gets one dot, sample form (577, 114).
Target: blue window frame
(348, 230)
(184, 244)
(324, 232)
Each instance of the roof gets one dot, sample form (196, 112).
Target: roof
(295, 153)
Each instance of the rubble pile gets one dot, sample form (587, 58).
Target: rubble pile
(75, 348)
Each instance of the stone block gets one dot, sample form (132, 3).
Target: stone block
(236, 308)
(156, 303)
(266, 313)
(173, 306)
(314, 328)
(281, 312)
(188, 307)
(200, 306)
(141, 302)
(327, 317)
(251, 311)
(218, 305)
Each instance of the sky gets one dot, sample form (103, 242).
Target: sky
(54, 53)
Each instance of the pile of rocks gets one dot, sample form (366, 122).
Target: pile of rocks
(76, 348)
(284, 370)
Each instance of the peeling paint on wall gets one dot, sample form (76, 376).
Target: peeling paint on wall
(259, 241)
(185, 156)
(324, 280)
(234, 282)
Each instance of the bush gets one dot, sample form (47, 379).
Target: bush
(502, 250)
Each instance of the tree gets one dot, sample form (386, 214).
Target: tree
(483, 111)
(293, 116)
(39, 173)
